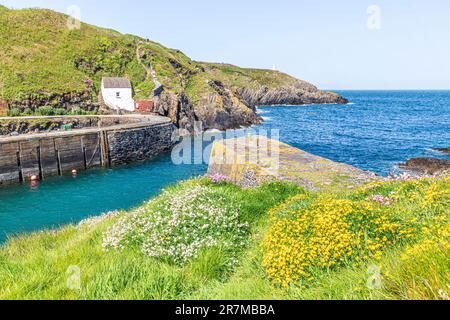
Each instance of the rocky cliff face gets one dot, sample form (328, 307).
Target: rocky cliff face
(231, 108)
(219, 110)
(298, 94)
(222, 109)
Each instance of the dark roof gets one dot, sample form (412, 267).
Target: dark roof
(116, 83)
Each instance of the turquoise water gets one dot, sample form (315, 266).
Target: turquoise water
(62, 200)
(377, 131)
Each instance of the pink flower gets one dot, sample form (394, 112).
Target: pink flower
(219, 178)
(382, 200)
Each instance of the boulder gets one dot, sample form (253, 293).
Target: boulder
(443, 150)
(431, 166)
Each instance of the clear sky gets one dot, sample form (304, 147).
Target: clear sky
(326, 42)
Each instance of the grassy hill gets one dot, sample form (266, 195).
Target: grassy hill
(385, 240)
(45, 63)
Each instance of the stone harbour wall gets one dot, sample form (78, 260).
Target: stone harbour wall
(58, 153)
(139, 144)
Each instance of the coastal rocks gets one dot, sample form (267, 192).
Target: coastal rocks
(443, 150)
(223, 110)
(253, 160)
(430, 166)
(178, 109)
(220, 109)
(298, 94)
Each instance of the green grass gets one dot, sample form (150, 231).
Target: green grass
(35, 266)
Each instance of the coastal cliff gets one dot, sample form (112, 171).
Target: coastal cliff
(47, 66)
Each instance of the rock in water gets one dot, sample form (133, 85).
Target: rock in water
(444, 150)
(427, 165)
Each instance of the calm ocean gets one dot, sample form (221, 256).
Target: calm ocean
(378, 130)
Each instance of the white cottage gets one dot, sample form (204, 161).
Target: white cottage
(117, 93)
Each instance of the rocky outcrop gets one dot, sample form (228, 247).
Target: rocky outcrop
(431, 166)
(444, 150)
(178, 109)
(298, 94)
(220, 109)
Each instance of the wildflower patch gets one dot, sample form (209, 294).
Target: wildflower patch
(181, 223)
(311, 235)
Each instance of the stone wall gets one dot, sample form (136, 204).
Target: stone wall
(30, 125)
(139, 144)
(56, 153)
(46, 156)
(70, 101)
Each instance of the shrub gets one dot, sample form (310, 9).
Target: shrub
(14, 112)
(78, 112)
(181, 223)
(308, 237)
(60, 111)
(27, 112)
(46, 111)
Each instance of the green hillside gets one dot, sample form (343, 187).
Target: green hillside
(45, 63)
(39, 55)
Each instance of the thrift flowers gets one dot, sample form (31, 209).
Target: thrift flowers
(382, 200)
(179, 224)
(219, 178)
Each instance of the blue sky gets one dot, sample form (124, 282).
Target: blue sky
(325, 42)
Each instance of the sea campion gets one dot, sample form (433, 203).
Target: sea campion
(219, 178)
(179, 224)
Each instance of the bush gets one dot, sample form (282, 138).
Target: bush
(60, 111)
(180, 224)
(45, 111)
(78, 112)
(27, 112)
(308, 237)
(14, 112)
